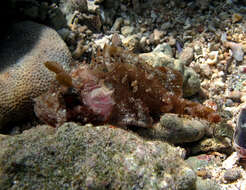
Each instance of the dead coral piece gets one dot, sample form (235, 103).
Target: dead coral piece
(118, 88)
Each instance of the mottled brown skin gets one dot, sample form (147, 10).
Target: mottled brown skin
(22, 73)
(119, 89)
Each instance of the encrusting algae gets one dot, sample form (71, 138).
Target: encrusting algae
(116, 88)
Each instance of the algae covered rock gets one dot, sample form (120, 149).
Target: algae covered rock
(22, 73)
(87, 157)
(207, 184)
(191, 82)
(157, 58)
(162, 56)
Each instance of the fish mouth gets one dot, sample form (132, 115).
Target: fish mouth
(240, 151)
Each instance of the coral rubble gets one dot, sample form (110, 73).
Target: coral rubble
(116, 88)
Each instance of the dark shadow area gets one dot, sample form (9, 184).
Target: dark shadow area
(19, 41)
(15, 128)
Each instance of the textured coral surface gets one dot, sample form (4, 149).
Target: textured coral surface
(116, 88)
(22, 73)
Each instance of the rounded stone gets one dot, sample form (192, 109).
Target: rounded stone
(180, 130)
(174, 129)
(191, 83)
(127, 30)
(232, 175)
(187, 55)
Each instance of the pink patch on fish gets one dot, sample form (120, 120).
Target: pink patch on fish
(100, 101)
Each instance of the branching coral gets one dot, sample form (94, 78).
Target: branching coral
(116, 88)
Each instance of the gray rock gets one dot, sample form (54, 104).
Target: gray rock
(187, 55)
(111, 4)
(127, 30)
(131, 42)
(102, 41)
(204, 162)
(68, 8)
(179, 66)
(57, 20)
(164, 48)
(162, 56)
(175, 130)
(64, 33)
(157, 59)
(203, 4)
(142, 42)
(181, 130)
(93, 7)
(201, 161)
(87, 157)
(207, 184)
(211, 145)
(232, 175)
(107, 16)
(223, 130)
(191, 83)
(117, 24)
(166, 25)
(158, 35)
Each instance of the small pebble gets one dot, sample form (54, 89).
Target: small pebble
(187, 55)
(242, 69)
(127, 30)
(243, 98)
(228, 103)
(232, 175)
(236, 18)
(157, 35)
(117, 24)
(235, 95)
(171, 41)
(230, 161)
(212, 58)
